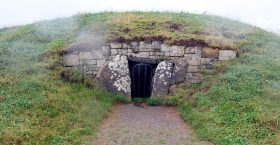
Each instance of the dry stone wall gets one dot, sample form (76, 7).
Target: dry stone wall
(188, 60)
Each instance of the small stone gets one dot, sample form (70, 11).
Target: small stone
(160, 53)
(114, 52)
(209, 66)
(193, 61)
(192, 68)
(85, 55)
(177, 50)
(116, 45)
(106, 51)
(129, 50)
(152, 53)
(165, 48)
(227, 54)
(71, 60)
(156, 45)
(134, 46)
(205, 60)
(100, 62)
(208, 52)
(144, 46)
(143, 54)
(190, 50)
(125, 46)
(91, 62)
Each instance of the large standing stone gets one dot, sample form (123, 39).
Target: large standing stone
(177, 51)
(227, 54)
(162, 79)
(179, 71)
(114, 76)
(71, 60)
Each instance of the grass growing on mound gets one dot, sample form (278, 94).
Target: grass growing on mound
(240, 104)
(36, 106)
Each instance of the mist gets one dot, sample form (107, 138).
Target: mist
(261, 13)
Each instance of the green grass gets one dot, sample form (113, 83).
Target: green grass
(238, 102)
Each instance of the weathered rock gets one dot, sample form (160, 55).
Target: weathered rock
(227, 54)
(179, 71)
(91, 62)
(85, 55)
(114, 52)
(156, 45)
(192, 68)
(162, 79)
(177, 50)
(100, 62)
(205, 60)
(106, 51)
(71, 60)
(134, 46)
(125, 46)
(165, 48)
(143, 46)
(208, 52)
(143, 54)
(114, 76)
(193, 61)
(116, 45)
(194, 78)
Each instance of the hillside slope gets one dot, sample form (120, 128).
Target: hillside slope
(238, 103)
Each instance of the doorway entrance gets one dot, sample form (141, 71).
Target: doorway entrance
(141, 74)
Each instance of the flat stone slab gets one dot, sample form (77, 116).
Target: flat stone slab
(132, 125)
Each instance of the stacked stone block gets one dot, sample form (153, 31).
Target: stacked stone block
(195, 57)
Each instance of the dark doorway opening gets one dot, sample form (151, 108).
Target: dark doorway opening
(141, 74)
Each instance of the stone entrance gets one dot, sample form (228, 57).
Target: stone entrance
(141, 73)
(166, 66)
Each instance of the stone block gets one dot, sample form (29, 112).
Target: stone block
(192, 50)
(208, 52)
(85, 55)
(194, 78)
(106, 51)
(143, 54)
(116, 45)
(100, 62)
(156, 45)
(71, 60)
(192, 68)
(165, 48)
(227, 54)
(125, 46)
(193, 61)
(134, 46)
(152, 53)
(205, 60)
(160, 53)
(91, 62)
(192, 56)
(177, 50)
(114, 51)
(129, 50)
(144, 46)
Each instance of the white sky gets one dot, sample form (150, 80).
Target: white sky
(263, 13)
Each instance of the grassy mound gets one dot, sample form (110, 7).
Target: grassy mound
(238, 102)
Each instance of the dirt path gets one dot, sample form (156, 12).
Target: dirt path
(132, 125)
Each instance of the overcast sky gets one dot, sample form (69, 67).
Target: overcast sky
(262, 13)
